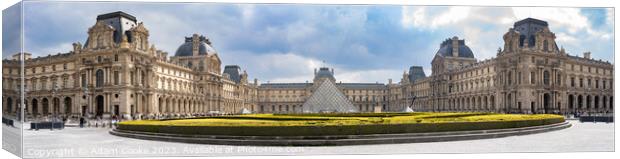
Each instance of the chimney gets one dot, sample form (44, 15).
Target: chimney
(455, 46)
(332, 71)
(255, 81)
(390, 81)
(587, 55)
(315, 71)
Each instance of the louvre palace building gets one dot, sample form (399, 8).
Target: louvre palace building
(117, 72)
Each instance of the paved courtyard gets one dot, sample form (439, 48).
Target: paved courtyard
(91, 142)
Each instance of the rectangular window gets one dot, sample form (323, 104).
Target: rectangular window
(572, 81)
(532, 78)
(116, 78)
(84, 80)
(131, 74)
(596, 84)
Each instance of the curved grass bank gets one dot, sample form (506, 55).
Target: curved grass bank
(338, 124)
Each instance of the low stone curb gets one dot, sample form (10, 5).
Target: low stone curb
(338, 140)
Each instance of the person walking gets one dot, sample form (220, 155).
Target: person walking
(82, 122)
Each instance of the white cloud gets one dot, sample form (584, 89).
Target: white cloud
(569, 18)
(37, 51)
(483, 27)
(426, 17)
(565, 38)
(366, 76)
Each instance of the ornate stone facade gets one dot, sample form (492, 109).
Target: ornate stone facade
(117, 72)
(530, 75)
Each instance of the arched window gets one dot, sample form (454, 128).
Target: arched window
(521, 40)
(546, 77)
(532, 41)
(99, 80)
(545, 45)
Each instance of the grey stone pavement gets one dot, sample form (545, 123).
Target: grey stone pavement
(97, 142)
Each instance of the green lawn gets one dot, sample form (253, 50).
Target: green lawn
(339, 124)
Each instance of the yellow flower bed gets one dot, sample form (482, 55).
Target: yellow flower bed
(339, 124)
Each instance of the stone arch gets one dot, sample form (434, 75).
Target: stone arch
(571, 102)
(67, 104)
(611, 102)
(46, 108)
(9, 104)
(596, 102)
(35, 107)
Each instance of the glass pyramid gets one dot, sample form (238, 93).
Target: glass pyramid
(327, 98)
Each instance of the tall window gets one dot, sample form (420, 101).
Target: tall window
(115, 57)
(131, 77)
(83, 80)
(143, 78)
(65, 80)
(99, 80)
(545, 46)
(519, 78)
(558, 79)
(533, 78)
(509, 78)
(546, 77)
(580, 82)
(116, 74)
(572, 81)
(596, 84)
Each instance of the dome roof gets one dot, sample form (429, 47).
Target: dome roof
(324, 72)
(445, 49)
(204, 47)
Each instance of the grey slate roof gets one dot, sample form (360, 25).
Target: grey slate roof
(234, 72)
(204, 47)
(445, 49)
(527, 28)
(415, 73)
(116, 14)
(324, 73)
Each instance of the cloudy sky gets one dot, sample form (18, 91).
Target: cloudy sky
(284, 43)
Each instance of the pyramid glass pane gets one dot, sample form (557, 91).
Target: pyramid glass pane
(328, 98)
